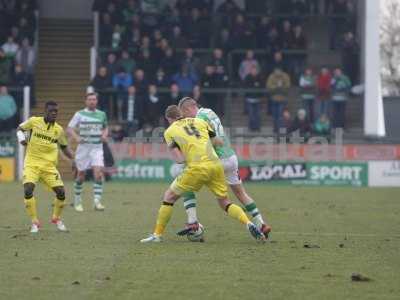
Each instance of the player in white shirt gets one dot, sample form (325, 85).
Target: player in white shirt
(88, 127)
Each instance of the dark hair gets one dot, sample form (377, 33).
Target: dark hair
(50, 103)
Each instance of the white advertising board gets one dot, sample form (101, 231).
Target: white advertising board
(384, 173)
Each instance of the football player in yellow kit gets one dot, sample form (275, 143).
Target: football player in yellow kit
(45, 137)
(190, 141)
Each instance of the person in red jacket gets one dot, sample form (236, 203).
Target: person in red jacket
(324, 90)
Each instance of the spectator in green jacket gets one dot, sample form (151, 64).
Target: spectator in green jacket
(127, 62)
(8, 110)
(341, 86)
(322, 125)
(5, 67)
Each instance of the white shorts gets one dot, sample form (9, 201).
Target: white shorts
(88, 156)
(231, 169)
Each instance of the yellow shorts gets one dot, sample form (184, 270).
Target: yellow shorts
(47, 175)
(194, 177)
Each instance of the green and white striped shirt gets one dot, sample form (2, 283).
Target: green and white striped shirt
(90, 125)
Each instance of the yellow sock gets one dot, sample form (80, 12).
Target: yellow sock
(236, 212)
(58, 208)
(164, 214)
(30, 206)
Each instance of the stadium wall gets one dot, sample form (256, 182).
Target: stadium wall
(66, 9)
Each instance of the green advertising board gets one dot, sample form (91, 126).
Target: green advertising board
(276, 173)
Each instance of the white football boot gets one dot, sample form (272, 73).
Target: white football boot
(35, 227)
(78, 207)
(152, 238)
(99, 207)
(59, 225)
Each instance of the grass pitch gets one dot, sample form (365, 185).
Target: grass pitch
(321, 236)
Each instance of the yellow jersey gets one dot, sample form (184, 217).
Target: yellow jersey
(192, 137)
(44, 139)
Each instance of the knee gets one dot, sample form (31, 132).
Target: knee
(28, 190)
(60, 194)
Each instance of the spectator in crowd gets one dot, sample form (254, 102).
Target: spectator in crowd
(130, 10)
(324, 90)
(298, 42)
(274, 41)
(147, 63)
(224, 40)
(111, 64)
(243, 37)
(322, 125)
(8, 110)
(209, 80)
(262, 31)
(10, 48)
(116, 39)
(341, 86)
(339, 9)
(161, 79)
(197, 30)
(191, 61)
(101, 82)
(247, 64)
(287, 122)
(286, 34)
(5, 67)
(25, 56)
(220, 66)
(127, 62)
(278, 84)
(121, 81)
(350, 57)
(278, 62)
(185, 79)
(198, 96)
(140, 83)
(169, 63)
(173, 96)
(20, 77)
(132, 110)
(152, 104)
(253, 99)
(25, 29)
(177, 40)
(105, 31)
(308, 92)
(302, 124)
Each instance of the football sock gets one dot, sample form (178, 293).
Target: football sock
(253, 211)
(30, 205)
(237, 212)
(98, 191)
(164, 215)
(58, 208)
(189, 202)
(77, 191)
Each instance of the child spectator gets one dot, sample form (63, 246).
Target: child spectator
(322, 126)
